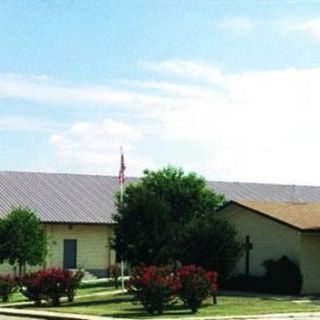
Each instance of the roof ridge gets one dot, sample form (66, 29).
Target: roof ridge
(63, 174)
(264, 183)
(57, 173)
(135, 177)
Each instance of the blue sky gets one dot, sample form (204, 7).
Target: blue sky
(229, 89)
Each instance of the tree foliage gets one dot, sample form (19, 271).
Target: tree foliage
(158, 212)
(211, 242)
(22, 239)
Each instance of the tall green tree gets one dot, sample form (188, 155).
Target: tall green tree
(22, 239)
(151, 220)
(211, 242)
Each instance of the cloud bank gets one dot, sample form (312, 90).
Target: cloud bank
(250, 126)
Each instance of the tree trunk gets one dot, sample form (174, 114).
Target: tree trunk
(22, 269)
(214, 298)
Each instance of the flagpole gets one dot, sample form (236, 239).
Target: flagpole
(121, 194)
(121, 203)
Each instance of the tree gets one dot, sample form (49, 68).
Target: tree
(151, 219)
(22, 239)
(212, 243)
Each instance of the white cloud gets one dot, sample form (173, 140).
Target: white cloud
(237, 25)
(311, 26)
(93, 147)
(258, 126)
(20, 123)
(250, 126)
(186, 69)
(45, 89)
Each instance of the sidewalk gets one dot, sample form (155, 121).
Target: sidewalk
(48, 314)
(8, 310)
(65, 316)
(42, 314)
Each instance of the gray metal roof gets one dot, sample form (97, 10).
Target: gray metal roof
(74, 198)
(62, 198)
(244, 191)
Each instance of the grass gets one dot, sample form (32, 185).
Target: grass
(85, 288)
(93, 289)
(16, 297)
(120, 305)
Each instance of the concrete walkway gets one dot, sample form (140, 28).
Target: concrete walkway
(40, 314)
(274, 316)
(2, 317)
(23, 313)
(8, 310)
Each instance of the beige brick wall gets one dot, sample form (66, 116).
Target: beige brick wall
(93, 250)
(310, 262)
(270, 239)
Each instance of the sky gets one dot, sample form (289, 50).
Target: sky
(227, 89)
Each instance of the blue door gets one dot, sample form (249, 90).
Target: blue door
(70, 254)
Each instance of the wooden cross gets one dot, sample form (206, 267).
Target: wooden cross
(248, 246)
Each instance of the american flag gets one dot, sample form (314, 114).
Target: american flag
(122, 177)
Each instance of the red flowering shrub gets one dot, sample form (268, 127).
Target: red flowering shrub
(196, 285)
(153, 287)
(7, 286)
(31, 287)
(212, 276)
(50, 285)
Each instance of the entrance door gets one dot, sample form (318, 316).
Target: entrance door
(70, 254)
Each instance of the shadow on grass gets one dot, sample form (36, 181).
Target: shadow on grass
(172, 311)
(313, 297)
(131, 309)
(66, 305)
(258, 295)
(97, 302)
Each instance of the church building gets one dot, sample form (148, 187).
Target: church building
(76, 210)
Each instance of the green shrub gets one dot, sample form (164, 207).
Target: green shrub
(282, 276)
(7, 287)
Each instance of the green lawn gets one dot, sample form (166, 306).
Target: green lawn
(83, 290)
(120, 305)
(16, 297)
(91, 290)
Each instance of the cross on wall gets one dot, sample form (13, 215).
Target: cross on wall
(248, 246)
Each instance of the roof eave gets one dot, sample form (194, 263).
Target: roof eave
(232, 202)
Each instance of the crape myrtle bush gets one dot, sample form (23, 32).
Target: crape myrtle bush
(50, 285)
(8, 286)
(153, 287)
(156, 287)
(195, 285)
